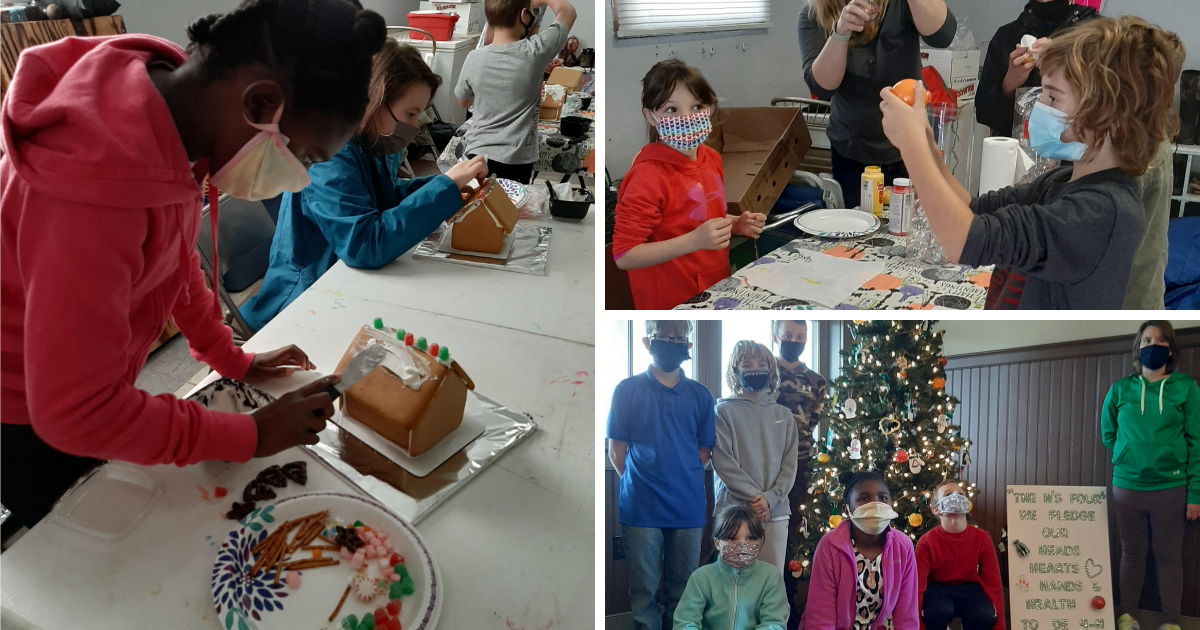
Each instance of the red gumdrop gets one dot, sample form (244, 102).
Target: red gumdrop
(381, 617)
(395, 559)
(219, 492)
(393, 607)
(408, 339)
(1097, 602)
(433, 350)
(393, 624)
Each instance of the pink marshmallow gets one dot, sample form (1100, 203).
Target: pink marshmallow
(381, 551)
(356, 563)
(394, 577)
(371, 551)
(384, 567)
(345, 554)
(359, 530)
(293, 580)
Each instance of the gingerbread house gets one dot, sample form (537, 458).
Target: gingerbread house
(416, 397)
(487, 216)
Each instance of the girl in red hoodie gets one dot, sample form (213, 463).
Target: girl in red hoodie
(957, 572)
(672, 231)
(107, 142)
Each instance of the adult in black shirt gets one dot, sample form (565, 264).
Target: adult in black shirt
(1007, 67)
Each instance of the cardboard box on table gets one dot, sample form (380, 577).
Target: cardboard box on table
(569, 78)
(760, 148)
(959, 69)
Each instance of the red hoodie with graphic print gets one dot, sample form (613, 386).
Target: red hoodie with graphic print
(99, 216)
(666, 195)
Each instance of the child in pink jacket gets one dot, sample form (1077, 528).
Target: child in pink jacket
(864, 572)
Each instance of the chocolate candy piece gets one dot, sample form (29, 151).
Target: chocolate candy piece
(297, 471)
(273, 476)
(348, 538)
(257, 491)
(240, 510)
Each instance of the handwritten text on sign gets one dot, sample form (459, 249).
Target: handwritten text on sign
(1058, 572)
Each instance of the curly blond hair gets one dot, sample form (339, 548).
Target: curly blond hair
(747, 349)
(1123, 72)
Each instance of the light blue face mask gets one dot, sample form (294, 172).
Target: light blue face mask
(1046, 127)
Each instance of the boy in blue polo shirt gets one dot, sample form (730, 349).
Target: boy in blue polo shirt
(661, 431)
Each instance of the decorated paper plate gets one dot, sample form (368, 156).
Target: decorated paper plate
(838, 223)
(326, 582)
(516, 191)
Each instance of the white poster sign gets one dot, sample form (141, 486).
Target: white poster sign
(1058, 558)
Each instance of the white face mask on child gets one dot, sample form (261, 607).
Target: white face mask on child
(264, 168)
(873, 518)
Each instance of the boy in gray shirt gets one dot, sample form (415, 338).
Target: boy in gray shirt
(503, 81)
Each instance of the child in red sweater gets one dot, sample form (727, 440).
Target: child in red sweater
(672, 230)
(957, 572)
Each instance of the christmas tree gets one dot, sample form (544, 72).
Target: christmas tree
(887, 411)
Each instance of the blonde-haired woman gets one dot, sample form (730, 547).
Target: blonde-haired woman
(851, 50)
(357, 208)
(756, 443)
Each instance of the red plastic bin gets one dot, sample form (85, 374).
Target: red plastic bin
(439, 24)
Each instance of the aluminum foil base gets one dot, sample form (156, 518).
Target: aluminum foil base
(408, 495)
(530, 244)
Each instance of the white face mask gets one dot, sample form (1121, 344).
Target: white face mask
(264, 168)
(873, 518)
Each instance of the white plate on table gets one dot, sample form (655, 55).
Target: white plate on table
(517, 193)
(244, 603)
(838, 223)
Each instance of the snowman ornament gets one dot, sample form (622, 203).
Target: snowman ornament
(855, 449)
(942, 423)
(915, 463)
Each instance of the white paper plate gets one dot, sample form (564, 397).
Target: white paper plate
(254, 603)
(517, 193)
(838, 223)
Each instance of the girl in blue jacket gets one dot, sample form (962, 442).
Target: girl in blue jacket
(357, 209)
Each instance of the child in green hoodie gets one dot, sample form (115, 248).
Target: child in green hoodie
(1151, 421)
(754, 454)
(738, 591)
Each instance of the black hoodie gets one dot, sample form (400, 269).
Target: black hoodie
(992, 107)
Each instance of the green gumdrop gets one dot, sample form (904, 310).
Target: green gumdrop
(357, 524)
(444, 353)
(368, 622)
(378, 323)
(406, 588)
(401, 570)
(350, 623)
(395, 590)
(422, 344)
(400, 334)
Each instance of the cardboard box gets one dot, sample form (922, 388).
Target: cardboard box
(959, 69)
(760, 147)
(570, 78)
(469, 12)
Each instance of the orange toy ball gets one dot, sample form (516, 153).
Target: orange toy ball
(906, 89)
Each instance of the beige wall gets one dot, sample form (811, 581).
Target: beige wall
(966, 337)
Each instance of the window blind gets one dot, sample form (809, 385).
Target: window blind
(646, 18)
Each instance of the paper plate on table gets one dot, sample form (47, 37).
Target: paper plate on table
(255, 603)
(516, 191)
(838, 223)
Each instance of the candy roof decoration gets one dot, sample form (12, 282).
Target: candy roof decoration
(486, 217)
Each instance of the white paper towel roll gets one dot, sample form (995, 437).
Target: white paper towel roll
(998, 167)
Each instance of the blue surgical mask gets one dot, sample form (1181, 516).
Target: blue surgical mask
(1046, 127)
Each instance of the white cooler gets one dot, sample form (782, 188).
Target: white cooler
(447, 63)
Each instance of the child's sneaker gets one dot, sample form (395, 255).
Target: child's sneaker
(1125, 622)
(1169, 626)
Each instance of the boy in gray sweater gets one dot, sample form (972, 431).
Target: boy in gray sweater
(756, 445)
(503, 82)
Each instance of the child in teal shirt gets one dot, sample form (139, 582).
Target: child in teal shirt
(738, 591)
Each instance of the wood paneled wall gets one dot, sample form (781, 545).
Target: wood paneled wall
(1033, 416)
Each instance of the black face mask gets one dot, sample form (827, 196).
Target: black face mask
(527, 26)
(1154, 357)
(755, 380)
(668, 356)
(1051, 12)
(790, 351)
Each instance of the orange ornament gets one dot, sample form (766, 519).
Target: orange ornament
(939, 382)
(906, 89)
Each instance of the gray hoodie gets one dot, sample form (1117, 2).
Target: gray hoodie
(755, 453)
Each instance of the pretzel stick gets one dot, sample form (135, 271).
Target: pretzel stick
(310, 564)
(340, 602)
(320, 548)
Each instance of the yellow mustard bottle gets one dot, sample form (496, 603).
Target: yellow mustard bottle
(871, 199)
